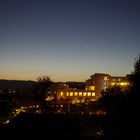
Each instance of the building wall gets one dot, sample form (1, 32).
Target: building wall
(77, 96)
(103, 81)
(93, 88)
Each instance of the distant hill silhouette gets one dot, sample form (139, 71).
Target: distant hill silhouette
(16, 84)
(22, 84)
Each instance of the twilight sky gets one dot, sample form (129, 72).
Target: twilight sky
(69, 40)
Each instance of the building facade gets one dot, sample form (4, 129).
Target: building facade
(100, 81)
(93, 88)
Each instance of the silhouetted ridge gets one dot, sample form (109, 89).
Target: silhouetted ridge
(16, 84)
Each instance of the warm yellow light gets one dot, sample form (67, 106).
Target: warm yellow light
(67, 94)
(123, 84)
(91, 87)
(71, 93)
(84, 94)
(120, 84)
(6, 122)
(89, 93)
(73, 101)
(77, 101)
(113, 84)
(61, 93)
(93, 93)
(76, 93)
(105, 78)
(80, 93)
(49, 98)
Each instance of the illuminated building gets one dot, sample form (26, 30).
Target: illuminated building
(101, 81)
(77, 96)
(93, 88)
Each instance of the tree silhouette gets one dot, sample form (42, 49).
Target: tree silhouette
(134, 96)
(42, 88)
(135, 77)
(122, 120)
(43, 84)
(115, 102)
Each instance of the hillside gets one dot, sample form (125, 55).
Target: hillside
(16, 84)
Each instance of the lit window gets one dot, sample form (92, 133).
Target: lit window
(89, 93)
(105, 78)
(76, 93)
(113, 84)
(80, 93)
(84, 94)
(93, 93)
(123, 84)
(71, 93)
(67, 94)
(92, 88)
(61, 93)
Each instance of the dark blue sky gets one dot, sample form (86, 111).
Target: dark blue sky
(68, 39)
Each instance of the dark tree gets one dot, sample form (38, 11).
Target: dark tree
(42, 88)
(122, 121)
(135, 76)
(5, 108)
(43, 84)
(115, 102)
(134, 97)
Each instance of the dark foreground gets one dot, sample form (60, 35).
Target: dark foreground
(43, 126)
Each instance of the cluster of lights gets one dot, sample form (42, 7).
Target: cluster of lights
(90, 88)
(77, 93)
(120, 84)
(17, 111)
